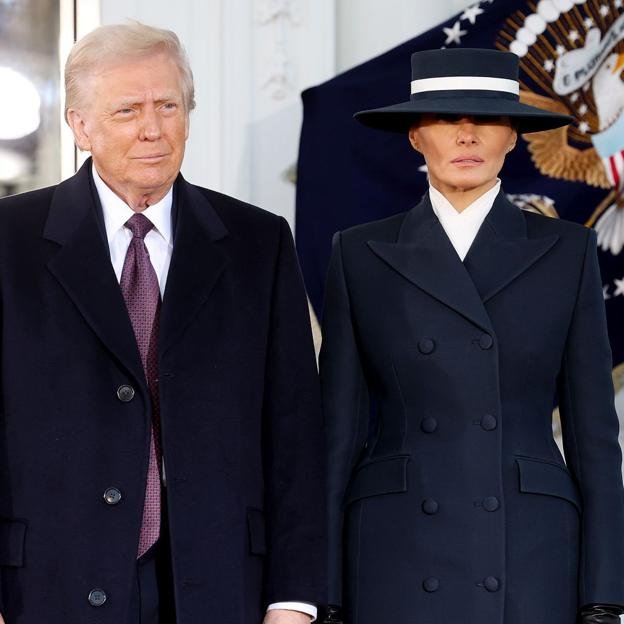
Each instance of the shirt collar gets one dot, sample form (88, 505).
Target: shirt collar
(478, 209)
(117, 212)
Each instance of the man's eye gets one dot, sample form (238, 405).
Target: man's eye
(170, 105)
(125, 111)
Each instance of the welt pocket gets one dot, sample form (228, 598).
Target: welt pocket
(383, 475)
(12, 539)
(256, 531)
(540, 476)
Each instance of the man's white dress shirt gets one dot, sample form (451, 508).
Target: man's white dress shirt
(462, 227)
(159, 243)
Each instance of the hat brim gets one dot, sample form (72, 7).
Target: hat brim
(401, 117)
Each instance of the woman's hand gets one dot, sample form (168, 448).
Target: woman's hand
(600, 614)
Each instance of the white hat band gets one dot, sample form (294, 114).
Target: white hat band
(461, 83)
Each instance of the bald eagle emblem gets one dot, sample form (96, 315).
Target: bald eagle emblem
(572, 56)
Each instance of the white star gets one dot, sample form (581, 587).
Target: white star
(582, 109)
(471, 13)
(604, 10)
(618, 4)
(605, 292)
(619, 287)
(454, 35)
(588, 22)
(583, 127)
(573, 35)
(560, 50)
(574, 97)
(549, 65)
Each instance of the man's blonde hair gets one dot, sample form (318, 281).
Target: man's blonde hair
(115, 44)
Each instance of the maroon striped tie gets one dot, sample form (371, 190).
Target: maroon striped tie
(139, 286)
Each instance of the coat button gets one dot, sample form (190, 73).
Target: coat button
(430, 506)
(426, 346)
(97, 597)
(488, 422)
(431, 584)
(429, 424)
(486, 341)
(491, 503)
(112, 496)
(125, 393)
(491, 583)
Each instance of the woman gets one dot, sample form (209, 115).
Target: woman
(448, 330)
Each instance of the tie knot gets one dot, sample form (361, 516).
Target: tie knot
(139, 225)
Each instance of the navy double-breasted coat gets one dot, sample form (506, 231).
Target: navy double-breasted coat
(449, 500)
(240, 414)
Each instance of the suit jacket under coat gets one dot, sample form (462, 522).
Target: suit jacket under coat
(438, 379)
(239, 407)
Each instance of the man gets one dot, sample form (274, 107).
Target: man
(160, 438)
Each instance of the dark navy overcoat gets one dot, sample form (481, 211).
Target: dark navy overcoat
(240, 412)
(449, 501)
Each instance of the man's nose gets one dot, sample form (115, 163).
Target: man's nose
(150, 129)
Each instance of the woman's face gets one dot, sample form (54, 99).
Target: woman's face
(463, 153)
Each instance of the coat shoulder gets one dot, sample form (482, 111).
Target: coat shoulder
(25, 208)
(382, 230)
(569, 231)
(239, 216)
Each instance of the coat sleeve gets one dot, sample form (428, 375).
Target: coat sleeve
(345, 408)
(293, 446)
(590, 436)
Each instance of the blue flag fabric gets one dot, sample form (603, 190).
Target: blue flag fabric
(571, 60)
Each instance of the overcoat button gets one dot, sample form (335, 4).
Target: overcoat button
(491, 583)
(125, 393)
(486, 341)
(430, 506)
(426, 346)
(112, 496)
(97, 597)
(488, 422)
(429, 424)
(491, 503)
(431, 584)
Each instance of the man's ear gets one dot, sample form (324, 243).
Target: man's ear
(78, 124)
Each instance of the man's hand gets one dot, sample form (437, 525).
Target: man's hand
(284, 616)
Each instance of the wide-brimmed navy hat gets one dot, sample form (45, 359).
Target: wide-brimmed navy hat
(466, 81)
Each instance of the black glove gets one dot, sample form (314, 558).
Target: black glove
(333, 615)
(600, 614)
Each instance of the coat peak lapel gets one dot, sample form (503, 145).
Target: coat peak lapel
(425, 256)
(196, 263)
(502, 251)
(83, 268)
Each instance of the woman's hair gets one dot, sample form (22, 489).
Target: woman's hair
(118, 43)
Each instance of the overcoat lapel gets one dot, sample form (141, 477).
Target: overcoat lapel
(501, 250)
(424, 255)
(196, 263)
(83, 268)
(500, 253)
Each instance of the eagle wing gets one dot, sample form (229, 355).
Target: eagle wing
(554, 156)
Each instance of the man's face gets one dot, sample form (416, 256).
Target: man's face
(135, 124)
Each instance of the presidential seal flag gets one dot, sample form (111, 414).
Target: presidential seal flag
(571, 61)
